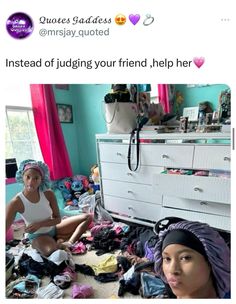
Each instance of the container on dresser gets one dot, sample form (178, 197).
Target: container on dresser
(146, 195)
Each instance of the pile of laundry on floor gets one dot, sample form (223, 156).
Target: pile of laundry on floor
(128, 261)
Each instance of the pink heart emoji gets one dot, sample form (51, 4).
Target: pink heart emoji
(198, 61)
(134, 18)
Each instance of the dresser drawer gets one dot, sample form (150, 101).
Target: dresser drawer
(132, 208)
(114, 153)
(217, 221)
(176, 156)
(198, 206)
(121, 172)
(213, 189)
(131, 191)
(212, 157)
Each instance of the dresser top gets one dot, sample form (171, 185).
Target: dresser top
(173, 136)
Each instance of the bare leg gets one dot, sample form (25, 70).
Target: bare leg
(71, 228)
(45, 245)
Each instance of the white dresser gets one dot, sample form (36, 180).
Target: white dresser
(147, 195)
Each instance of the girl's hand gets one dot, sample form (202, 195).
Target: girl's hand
(31, 228)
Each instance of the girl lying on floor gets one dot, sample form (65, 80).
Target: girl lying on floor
(38, 207)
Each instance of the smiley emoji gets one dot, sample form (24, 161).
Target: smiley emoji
(120, 19)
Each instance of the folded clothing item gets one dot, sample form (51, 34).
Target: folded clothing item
(51, 291)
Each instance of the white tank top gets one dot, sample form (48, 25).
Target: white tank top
(36, 212)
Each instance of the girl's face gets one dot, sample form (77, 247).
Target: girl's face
(187, 272)
(32, 180)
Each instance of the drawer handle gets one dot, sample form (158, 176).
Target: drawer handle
(197, 189)
(226, 158)
(203, 203)
(130, 208)
(119, 154)
(129, 174)
(165, 156)
(130, 191)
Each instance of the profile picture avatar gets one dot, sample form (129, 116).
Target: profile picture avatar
(19, 25)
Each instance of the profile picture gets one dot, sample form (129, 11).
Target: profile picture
(65, 113)
(19, 25)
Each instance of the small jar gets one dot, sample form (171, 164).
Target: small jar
(183, 124)
(208, 118)
(201, 118)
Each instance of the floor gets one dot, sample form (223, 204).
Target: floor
(101, 290)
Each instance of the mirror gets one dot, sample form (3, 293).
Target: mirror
(209, 98)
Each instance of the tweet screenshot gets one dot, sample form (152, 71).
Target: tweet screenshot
(118, 144)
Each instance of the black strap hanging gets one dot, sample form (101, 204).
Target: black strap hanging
(140, 122)
(132, 138)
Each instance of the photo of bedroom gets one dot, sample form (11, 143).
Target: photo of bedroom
(118, 191)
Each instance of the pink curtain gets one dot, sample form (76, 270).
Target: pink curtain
(163, 93)
(49, 131)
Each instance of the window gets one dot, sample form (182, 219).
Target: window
(21, 140)
(154, 98)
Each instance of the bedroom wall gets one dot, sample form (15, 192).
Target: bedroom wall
(69, 129)
(90, 121)
(194, 95)
(86, 101)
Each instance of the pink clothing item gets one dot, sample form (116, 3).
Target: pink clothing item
(49, 131)
(64, 279)
(10, 234)
(81, 291)
(118, 230)
(70, 273)
(95, 229)
(78, 248)
(201, 173)
(92, 222)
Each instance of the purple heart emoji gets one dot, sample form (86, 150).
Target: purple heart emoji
(134, 18)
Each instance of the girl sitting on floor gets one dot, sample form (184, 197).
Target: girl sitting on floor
(38, 207)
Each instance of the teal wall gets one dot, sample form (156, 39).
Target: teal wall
(90, 121)
(194, 95)
(12, 190)
(70, 129)
(86, 101)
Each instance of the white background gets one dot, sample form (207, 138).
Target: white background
(182, 29)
